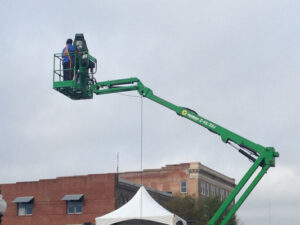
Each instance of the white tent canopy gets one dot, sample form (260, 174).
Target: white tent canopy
(141, 207)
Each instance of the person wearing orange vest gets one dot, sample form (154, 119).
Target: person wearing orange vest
(68, 60)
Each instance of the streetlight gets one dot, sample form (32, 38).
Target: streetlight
(2, 207)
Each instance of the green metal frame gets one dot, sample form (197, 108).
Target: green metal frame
(261, 156)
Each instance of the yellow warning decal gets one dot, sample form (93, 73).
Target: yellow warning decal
(184, 112)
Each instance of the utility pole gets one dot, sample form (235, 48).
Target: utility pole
(118, 163)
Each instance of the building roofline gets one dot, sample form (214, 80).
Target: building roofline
(57, 178)
(214, 172)
(164, 168)
(186, 166)
(123, 181)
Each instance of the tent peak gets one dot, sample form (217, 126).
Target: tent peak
(141, 207)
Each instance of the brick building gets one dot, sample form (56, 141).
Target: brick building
(79, 199)
(186, 178)
(67, 200)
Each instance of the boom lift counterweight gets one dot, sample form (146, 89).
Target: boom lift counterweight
(261, 156)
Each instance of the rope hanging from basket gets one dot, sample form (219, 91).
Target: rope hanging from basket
(141, 148)
(142, 113)
(141, 159)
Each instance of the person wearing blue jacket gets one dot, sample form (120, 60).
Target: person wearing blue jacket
(68, 60)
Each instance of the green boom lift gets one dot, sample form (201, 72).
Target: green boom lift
(84, 85)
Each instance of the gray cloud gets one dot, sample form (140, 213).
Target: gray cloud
(235, 63)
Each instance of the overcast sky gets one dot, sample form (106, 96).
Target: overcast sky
(237, 63)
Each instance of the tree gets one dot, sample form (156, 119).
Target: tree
(196, 211)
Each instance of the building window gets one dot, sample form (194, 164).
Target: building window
(25, 205)
(74, 203)
(202, 184)
(74, 207)
(222, 194)
(213, 190)
(207, 189)
(25, 209)
(183, 188)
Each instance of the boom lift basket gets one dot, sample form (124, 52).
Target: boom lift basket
(82, 79)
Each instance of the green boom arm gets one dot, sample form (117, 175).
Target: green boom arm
(261, 156)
